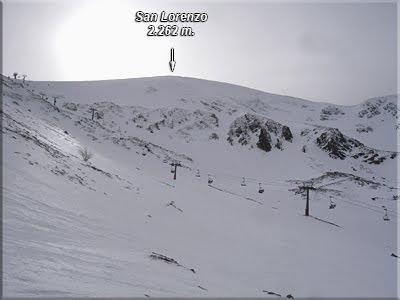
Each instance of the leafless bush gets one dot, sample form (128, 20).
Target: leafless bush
(85, 153)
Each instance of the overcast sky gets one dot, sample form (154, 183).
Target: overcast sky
(341, 53)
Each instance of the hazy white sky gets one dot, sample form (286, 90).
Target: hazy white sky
(337, 52)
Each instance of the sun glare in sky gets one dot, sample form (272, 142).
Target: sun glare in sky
(307, 50)
(101, 40)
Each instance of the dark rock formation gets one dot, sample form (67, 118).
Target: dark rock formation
(214, 136)
(334, 142)
(340, 146)
(330, 112)
(287, 134)
(264, 140)
(260, 132)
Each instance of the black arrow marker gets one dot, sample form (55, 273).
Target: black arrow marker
(172, 62)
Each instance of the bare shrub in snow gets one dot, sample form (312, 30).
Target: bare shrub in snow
(85, 153)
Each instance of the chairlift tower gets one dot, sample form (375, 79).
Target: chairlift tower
(307, 188)
(174, 166)
(93, 110)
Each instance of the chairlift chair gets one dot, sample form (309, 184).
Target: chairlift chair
(210, 179)
(332, 204)
(385, 217)
(243, 182)
(260, 188)
(172, 169)
(198, 173)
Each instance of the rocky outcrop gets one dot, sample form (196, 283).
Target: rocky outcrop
(391, 108)
(258, 131)
(182, 121)
(330, 112)
(213, 136)
(363, 129)
(264, 140)
(287, 134)
(377, 106)
(334, 142)
(340, 146)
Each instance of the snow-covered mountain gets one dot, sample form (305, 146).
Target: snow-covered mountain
(119, 225)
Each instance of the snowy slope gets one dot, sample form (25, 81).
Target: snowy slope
(74, 228)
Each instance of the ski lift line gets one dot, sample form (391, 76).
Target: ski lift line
(235, 194)
(274, 180)
(240, 179)
(330, 183)
(270, 183)
(222, 175)
(374, 210)
(277, 190)
(370, 205)
(367, 204)
(373, 206)
(358, 205)
(273, 187)
(322, 190)
(265, 183)
(339, 181)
